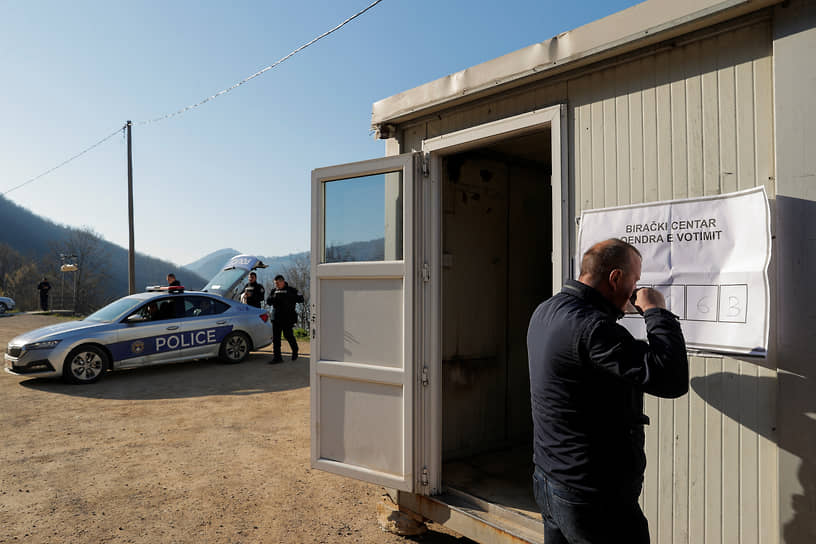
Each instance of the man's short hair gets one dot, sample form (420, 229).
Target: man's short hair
(171, 275)
(604, 257)
(253, 274)
(279, 277)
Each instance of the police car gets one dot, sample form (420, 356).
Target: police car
(161, 325)
(6, 304)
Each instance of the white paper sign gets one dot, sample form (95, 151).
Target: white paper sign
(708, 256)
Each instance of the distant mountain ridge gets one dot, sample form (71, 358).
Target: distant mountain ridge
(33, 236)
(209, 265)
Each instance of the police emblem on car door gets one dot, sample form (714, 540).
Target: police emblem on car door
(145, 337)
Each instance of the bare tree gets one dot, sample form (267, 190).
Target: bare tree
(19, 276)
(21, 285)
(92, 263)
(297, 275)
(10, 261)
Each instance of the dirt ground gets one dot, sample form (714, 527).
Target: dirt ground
(190, 452)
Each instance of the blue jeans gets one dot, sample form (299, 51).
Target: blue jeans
(576, 517)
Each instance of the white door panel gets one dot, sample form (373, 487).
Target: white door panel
(351, 313)
(362, 370)
(353, 411)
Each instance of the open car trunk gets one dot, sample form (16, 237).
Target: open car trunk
(228, 282)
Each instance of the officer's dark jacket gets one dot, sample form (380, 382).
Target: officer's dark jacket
(587, 379)
(284, 301)
(254, 294)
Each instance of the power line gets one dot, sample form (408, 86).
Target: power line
(260, 72)
(188, 108)
(63, 163)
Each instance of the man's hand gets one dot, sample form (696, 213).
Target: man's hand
(647, 298)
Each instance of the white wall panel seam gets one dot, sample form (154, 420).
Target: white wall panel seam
(755, 113)
(686, 79)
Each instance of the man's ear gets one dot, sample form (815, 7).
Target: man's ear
(615, 277)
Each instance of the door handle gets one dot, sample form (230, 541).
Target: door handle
(221, 322)
(172, 327)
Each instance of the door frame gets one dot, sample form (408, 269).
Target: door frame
(429, 236)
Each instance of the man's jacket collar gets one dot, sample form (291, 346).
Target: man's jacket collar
(591, 296)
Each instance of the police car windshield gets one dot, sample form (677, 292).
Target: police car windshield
(114, 309)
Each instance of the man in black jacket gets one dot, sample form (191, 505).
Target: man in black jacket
(587, 379)
(283, 299)
(43, 287)
(253, 291)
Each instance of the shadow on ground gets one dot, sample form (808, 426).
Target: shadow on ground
(188, 380)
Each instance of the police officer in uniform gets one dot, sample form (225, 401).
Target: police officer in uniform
(283, 299)
(253, 292)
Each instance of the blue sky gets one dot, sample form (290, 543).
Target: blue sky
(354, 210)
(234, 172)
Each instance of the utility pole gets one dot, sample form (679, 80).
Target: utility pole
(131, 249)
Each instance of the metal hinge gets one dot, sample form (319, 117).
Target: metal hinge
(313, 318)
(426, 164)
(426, 272)
(425, 376)
(424, 479)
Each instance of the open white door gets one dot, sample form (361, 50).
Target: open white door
(362, 370)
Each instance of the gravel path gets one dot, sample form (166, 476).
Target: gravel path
(191, 452)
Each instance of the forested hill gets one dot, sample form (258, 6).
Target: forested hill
(41, 241)
(209, 265)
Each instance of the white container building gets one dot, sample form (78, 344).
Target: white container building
(419, 376)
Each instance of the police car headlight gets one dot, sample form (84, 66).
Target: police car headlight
(42, 345)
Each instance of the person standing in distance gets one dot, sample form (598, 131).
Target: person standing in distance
(43, 287)
(253, 292)
(172, 281)
(283, 299)
(587, 379)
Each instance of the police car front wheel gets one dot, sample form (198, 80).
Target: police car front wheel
(234, 348)
(85, 364)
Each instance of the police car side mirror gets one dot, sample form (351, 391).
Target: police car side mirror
(135, 318)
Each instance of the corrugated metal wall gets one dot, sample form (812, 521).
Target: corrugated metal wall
(692, 119)
(695, 120)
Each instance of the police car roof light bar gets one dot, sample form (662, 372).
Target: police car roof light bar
(168, 288)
